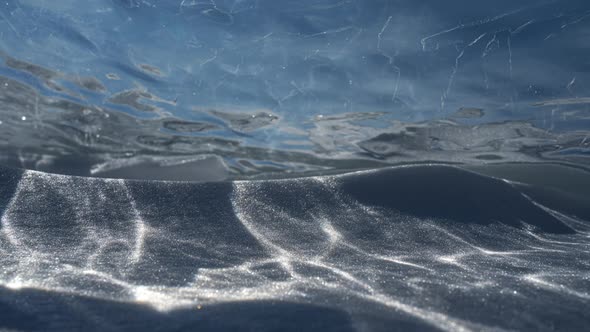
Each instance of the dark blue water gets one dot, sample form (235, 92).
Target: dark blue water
(294, 165)
(246, 88)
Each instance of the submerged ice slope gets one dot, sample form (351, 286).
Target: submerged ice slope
(424, 247)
